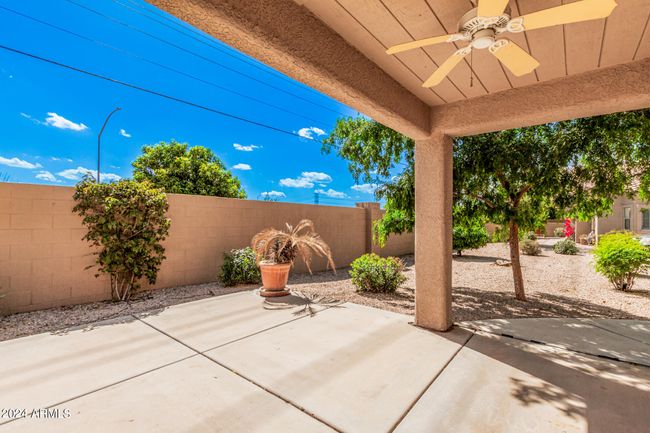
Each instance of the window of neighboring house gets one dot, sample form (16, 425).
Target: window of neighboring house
(627, 218)
(645, 224)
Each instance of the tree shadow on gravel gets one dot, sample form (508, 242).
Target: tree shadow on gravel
(473, 304)
(478, 259)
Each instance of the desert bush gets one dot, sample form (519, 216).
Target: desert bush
(530, 247)
(620, 258)
(126, 221)
(278, 246)
(239, 267)
(566, 247)
(469, 236)
(371, 273)
(558, 232)
(501, 234)
(530, 236)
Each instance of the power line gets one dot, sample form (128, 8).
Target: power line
(208, 41)
(207, 59)
(153, 92)
(160, 65)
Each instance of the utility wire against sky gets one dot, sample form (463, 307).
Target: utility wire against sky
(160, 65)
(154, 92)
(195, 54)
(209, 41)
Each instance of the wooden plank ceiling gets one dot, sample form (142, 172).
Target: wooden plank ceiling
(373, 25)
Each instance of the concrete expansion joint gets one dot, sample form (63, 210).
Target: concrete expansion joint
(241, 375)
(568, 349)
(426, 388)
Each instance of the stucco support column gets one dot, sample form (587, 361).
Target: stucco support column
(433, 225)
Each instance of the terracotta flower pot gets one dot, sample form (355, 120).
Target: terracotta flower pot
(274, 279)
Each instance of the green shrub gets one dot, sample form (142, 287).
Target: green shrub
(126, 221)
(469, 236)
(530, 236)
(501, 234)
(620, 258)
(371, 273)
(558, 232)
(239, 267)
(530, 247)
(567, 247)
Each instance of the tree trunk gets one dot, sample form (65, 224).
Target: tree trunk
(520, 294)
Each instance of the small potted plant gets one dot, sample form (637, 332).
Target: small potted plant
(276, 251)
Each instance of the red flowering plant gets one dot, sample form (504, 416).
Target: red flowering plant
(568, 229)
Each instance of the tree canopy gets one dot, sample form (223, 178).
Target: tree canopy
(514, 178)
(177, 168)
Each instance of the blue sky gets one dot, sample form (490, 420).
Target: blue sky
(51, 116)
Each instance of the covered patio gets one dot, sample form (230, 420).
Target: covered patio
(339, 47)
(236, 364)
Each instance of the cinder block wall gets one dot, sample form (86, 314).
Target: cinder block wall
(43, 259)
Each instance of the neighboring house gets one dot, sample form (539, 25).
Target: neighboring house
(627, 214)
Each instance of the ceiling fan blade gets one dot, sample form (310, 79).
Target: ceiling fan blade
(491, 8)
(518, 61)
(446, 67)
(583, 10)
(425, 42)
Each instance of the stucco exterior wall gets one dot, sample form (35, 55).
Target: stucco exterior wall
(614, 221)
(43, 259)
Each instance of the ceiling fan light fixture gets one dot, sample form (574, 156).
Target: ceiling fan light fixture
(483, 39)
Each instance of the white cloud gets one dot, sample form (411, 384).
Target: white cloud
(56, 158)
(27, 116)
(79, 172)
(18, 163)
(123, 133)
(307, 180)
(243, 148)
(61, 122)
(296, 183)
(331, 193)
(366, 188)
(241, 166)
(310, 131)
(47, 176)
(273, 194)
(315, 176)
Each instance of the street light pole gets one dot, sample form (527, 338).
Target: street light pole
(99, 139)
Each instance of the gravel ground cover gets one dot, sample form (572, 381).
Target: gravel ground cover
(556, 285)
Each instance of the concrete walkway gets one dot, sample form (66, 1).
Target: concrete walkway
(235, 364)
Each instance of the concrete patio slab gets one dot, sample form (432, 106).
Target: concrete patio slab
(499, 384)
(581, 335)
(357, 368)
(194, 395)
(634, 329)
(212, 322)
(47, 369)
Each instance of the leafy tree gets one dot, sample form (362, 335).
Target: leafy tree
(126, 221)
(178, 168)
(513, 178)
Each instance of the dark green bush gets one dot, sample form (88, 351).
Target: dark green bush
(371, 273)
(620, 257)
(530, 247)
(469, 236)
(239, 267)
(567, 247)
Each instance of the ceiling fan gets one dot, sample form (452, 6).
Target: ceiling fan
(481, 26)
